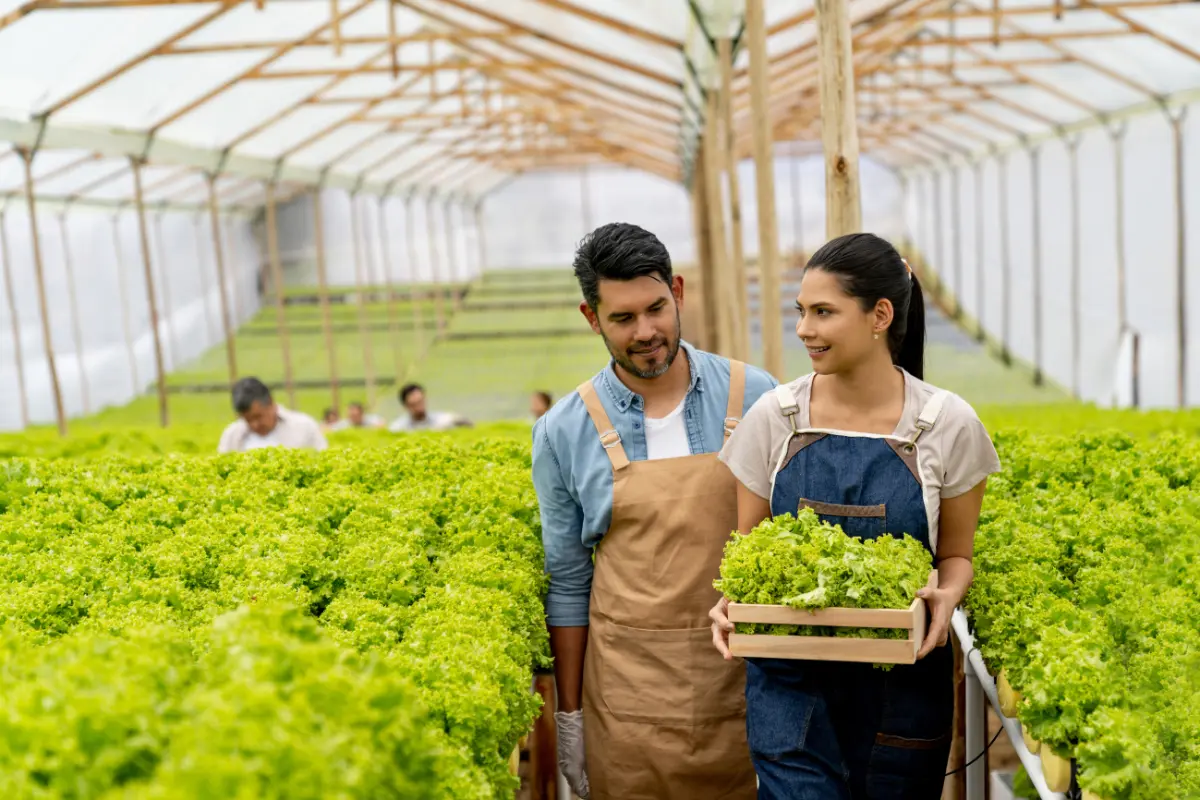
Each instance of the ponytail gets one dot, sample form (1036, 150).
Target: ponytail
(909, 355)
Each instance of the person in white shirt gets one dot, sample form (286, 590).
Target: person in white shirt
(264, 423)
(420, 418)
(357, 417)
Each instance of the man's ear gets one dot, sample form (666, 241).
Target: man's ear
(677, 290)
(589, 314)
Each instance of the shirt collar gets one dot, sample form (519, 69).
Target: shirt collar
(623, 396)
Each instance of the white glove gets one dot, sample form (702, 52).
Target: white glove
(570, 751)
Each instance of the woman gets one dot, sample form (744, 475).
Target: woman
(870, 446)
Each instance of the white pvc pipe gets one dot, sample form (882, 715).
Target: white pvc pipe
(976, 739)
(1033, 764)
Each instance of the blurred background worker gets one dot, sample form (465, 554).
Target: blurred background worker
(420, 418)
(357, 417)
(329, 418)
(264, 423)
(539, 404)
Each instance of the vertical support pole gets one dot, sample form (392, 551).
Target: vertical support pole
(360, 286)
(905, 235)
(706, 335)
(1005, 263)
(975, 714)
(1180, 254)
(122, 292)
(480, 234)
(980, 271)
(226, 327)
(741, 311)
(956, 238)
(389, 280)
(1035, 205)
(204, 288)
(939, 238)
(235, 279)
(323, 294)
(160, 372)
(797, 209)
(1072, 144)
(418, 297)
(281, 321)
(165, 290)
(60, 413)
(452, 255)
(764, 163)
(73, 301)
(839, 118)
(585, 197)
(723, 289)
(439, 297)
(18, 354)
(1118, 140)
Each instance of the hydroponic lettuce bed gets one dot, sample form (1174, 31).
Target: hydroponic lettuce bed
(1087, 599)
(359, 624)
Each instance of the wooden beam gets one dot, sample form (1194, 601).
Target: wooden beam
(611, 23)
(768, 238)
(281, 321)
(10, 294)
(706, 336)
(724, 292)
(391, 40)
(839, 123)
(160, 372)
(43, 307)
(73, 303)
(741, 315)
(415, 70)
(323, 295)
(222, 283)
(1136, 27)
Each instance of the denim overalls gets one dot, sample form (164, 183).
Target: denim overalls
(833, 730)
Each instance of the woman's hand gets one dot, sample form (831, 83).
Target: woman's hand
(941, 602)
(721, 627)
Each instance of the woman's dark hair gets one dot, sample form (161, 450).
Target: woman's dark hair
(870, 269)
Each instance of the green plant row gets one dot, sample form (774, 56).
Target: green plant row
(361, 623)
(1087, 597)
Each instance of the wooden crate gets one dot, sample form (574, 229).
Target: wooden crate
(831, 648)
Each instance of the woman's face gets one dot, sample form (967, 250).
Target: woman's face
(838, 334)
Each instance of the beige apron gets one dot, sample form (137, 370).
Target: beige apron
(664, 714)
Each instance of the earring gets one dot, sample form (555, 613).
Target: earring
(876, 335)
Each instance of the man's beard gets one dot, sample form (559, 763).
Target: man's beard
(625, 360)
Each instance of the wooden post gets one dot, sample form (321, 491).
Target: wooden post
(839, 119)
(764, 164)
(281, 322)
(706, 334)
(364, 331)
(160, 372)
(235, 284)
(165, 291)
(479, 234)
(741, 302)
(59, 411)
(122, 292)
(323, 295)
(208, 320)
(389, 280)
(18, 355)
(724, 291)
(418, 297)
(439, 291)
(72, 300)
(227, 328)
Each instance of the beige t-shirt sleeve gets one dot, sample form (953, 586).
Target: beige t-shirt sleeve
(751, 450)
(969, 455)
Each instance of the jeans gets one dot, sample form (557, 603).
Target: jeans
(845, 731)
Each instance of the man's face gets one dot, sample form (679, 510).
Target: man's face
(639, 322)
(355, 413)
(262, 417)
(415, 403)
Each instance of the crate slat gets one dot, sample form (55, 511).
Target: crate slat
(824, 648)
(834, 617)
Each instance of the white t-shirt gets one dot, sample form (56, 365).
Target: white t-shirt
(253, 440)
(667, 437)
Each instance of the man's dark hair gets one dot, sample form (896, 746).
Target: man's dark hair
(357, 405)
(545, 396)
(249, 391)
(619, 252)
(408, 389)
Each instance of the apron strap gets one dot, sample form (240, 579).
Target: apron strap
(929, 414)
(608, 434)
(737, 396)
(787, 404)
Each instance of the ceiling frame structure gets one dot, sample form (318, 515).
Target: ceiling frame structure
(510, 87)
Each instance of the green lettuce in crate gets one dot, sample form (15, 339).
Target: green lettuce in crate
(802, 562)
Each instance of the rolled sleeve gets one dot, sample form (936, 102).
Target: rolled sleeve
(568, 561)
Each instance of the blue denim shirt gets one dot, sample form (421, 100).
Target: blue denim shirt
(573, 476)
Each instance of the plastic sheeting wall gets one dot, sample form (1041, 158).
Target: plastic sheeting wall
(1056, 285)
(186, 287)
(537, 220)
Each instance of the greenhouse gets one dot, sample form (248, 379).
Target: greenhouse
(322, 224)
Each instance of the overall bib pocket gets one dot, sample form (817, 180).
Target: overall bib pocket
(865, 522)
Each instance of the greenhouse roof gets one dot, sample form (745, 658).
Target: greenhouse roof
(456, 96)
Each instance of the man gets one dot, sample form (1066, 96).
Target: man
(539, 404)
(264, 423)
(412, 397)
(357, 417)
(627, 466)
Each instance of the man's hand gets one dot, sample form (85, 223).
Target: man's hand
(570, 751)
